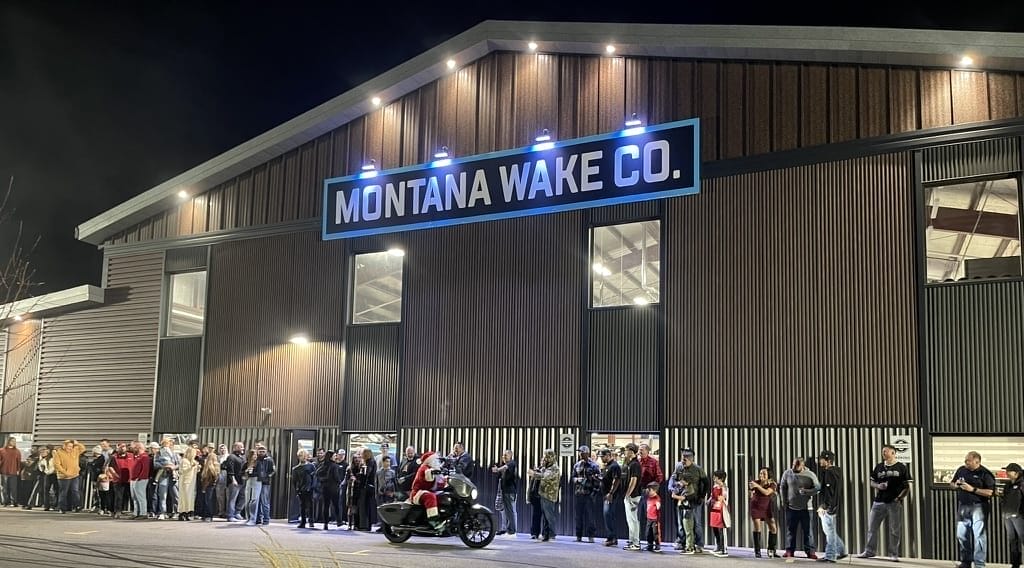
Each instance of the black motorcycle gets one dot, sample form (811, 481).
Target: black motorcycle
(456, 504)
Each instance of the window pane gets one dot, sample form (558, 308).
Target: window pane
(973, 230)
(626, 264)
(188, 304)
(378, 289)
(948, 453)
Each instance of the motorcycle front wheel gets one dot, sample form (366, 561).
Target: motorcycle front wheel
(393, 536)
(477, 529)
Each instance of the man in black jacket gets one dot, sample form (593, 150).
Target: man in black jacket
(829, 499)
(259, 501)
(407, 472)
(234, 466)
(302, 482)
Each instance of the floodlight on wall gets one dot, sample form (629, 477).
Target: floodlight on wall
(368, 170)
(299, 339)
(442, 153)
(375, 101)
(19, 317)
(609, 49)
(183, 194)
(634, 121)
(543, 141)
(451, 64)
(966, 61)
(634, 126)
(532, 45)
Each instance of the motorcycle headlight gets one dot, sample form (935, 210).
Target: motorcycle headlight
(473, 494)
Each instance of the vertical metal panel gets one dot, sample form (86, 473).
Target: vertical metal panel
(873, 98)
(785, 107)
(466, 121)
(277, 443)
(260, 195)
(661, 79)
(177, 384)
(742, 451)
(487, 80)
(985, 157)
(410, 129)
(1002, 90)
(97, 366)
(969, 96)
(611, 95)
(706, 102)
(524, 100)
(261, 291)
(637, 95)
(505, 109)
(936, 101)
(814, 118)
(842, 103)
(275, 190)
(215, 209)
(751, 294)
(373, 135)
(371, 380)
(684, 90)
(183, 259)
(568, 96)
(904, 100)
(19, 367)
(588, 122)
(944, 519)
(495, 312)
(309, 179)
(230, 204)
(973, 334)
(625, 358)
(447, 115)
(391, 150)
(339, 152)
(290, 184)
(732, 94)
(486, 446)
(758, 103)
(625, 213)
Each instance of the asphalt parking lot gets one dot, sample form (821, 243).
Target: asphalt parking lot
(84, 540)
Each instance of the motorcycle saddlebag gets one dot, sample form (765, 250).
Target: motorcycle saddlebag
(396, 513)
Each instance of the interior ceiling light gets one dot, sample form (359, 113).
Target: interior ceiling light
(966, 61)
(451, 64)
(532, 45)
(641, 301)
(299, 339)
(375, 101)
(183, 194)
(609, 48)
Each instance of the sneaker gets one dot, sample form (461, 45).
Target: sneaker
(611, 543)
(866, 554)
(720, 553)
(787, 554)
(894, 558)
(688, 551)
(812, 555)
(698, 550)
(632, 547)
(841, 556)
(590, 539)
(825, 560)
(656, 549)
(499, 533)
(162, 517)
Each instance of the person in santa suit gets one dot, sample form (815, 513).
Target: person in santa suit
(423, 485)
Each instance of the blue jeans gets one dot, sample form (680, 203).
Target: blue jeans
(265, 503)
(585, 525)
(255, 490)
(834, 546)
(609, 519)
(971, 522)
(233, 490)
(164, 486)
(892, 514)
(550, 509)
(68, 493)
(11, 489)
(508, 512)
(139, 500)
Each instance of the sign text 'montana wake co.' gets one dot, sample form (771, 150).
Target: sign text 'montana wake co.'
(631, 165)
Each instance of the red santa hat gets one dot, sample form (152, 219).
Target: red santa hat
(426, 456)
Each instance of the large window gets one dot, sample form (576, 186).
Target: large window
(377, 295)
(948, 453)
(973, 230)
(626, 264)
(187, 306)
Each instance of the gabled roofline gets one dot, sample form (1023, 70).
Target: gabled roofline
(869, 46)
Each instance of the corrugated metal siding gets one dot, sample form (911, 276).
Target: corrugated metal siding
(97, 366)
(495, 312)
(276, 442)
(486, 446)
(371, 381)
(19, 367)
(742, 451)
(177, 384)
(182, 259)
(986, 157)
(943, 514)
(791, 279)
(501, 100)
(624, 364)
(625, 213)
(973, 337)
(261, 291)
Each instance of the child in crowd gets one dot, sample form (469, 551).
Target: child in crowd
(685, 489)
(720, 518)
(653, 518)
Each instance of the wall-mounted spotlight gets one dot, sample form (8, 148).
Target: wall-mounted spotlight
(442, 153)
(19, 317)
(368, 170)
(543, 141)
(396, 252)
(966, 61)
(451, 64)
(609, 49)
(375, 101)
(532, 45)
(183, 194)
(299, 339)
(633, 121)
(544, 136)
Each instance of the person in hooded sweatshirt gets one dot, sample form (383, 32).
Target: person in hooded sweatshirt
(797, 486)
(830, 498)
(329, 475)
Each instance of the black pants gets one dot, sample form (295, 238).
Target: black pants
(50, 487)
(585, 509)
(11, 489)
(1014, 526)
(653, 536)
(120, 494)
(306, 507)
(798, 519)
(367, 508)
(329, 502)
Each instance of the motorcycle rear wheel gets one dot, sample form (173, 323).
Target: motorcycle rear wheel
(393, 536)
(477, 529)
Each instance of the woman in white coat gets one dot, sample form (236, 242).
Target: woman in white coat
(187, 485)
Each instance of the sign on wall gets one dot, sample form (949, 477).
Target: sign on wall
(567, 445)
(904, 449)
(635, 164)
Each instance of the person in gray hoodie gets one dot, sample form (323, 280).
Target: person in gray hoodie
(797, 486)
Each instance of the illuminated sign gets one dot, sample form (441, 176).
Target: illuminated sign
(635, 164)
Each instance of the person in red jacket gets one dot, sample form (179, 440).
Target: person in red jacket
(423, 488)
(121, 484)
(138, 478)
(10, 467)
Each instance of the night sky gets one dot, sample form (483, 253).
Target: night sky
(100, 101)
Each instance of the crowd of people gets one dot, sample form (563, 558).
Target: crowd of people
(202, 482)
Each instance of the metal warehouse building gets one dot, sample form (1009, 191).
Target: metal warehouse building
(840, 270)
